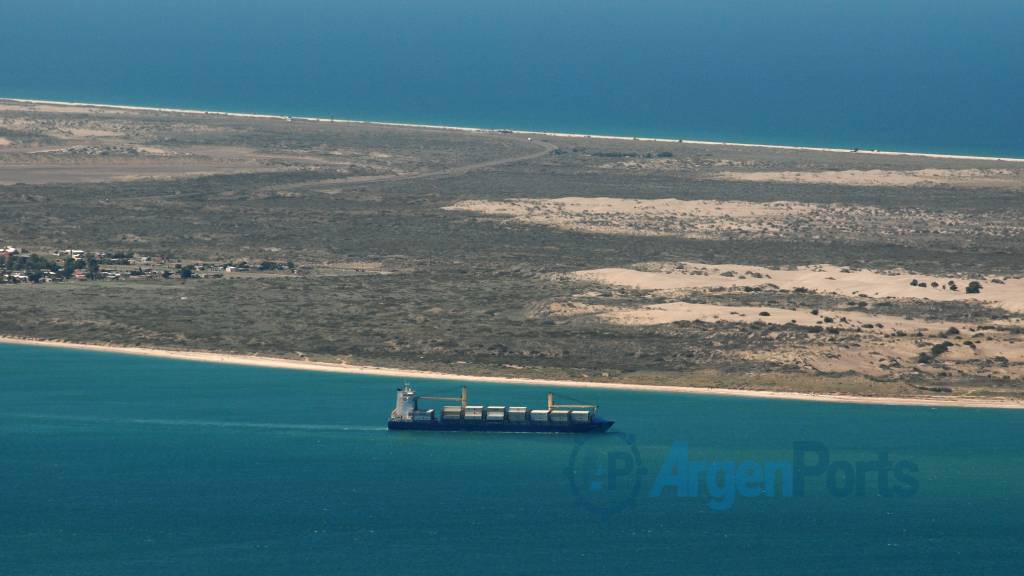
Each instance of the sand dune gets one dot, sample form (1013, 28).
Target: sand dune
(861, 341)
(886, 343)
(693, 312)
(1004, 292)
(716, 219)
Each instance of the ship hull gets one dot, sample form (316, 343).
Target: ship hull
(596, 426)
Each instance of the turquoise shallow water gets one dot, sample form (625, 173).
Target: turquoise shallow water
(913, 75)
(113, 464)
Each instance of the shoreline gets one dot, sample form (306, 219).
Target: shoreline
(469, 129)
(308, 365)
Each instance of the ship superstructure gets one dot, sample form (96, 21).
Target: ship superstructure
(557, 417)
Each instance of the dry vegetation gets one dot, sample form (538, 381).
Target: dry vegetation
(741, 220)
(489, 253)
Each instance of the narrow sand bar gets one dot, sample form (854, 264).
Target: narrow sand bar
(497, 130)
(266, 362)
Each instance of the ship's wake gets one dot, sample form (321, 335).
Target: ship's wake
(189, 423)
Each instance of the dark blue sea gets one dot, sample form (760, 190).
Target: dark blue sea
(912, 75)
(114, 464)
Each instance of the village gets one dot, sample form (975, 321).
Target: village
(21, 266)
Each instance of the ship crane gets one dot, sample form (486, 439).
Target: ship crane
(462, 399)
(552, 405)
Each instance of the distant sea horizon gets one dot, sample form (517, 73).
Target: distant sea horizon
(934, 77)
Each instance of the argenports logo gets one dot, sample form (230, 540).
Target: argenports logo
(606, 475)
(605, 472)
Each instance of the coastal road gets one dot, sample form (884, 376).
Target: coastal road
(545, 148)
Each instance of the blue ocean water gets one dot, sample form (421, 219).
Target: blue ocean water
(912, 75)
(113, 464)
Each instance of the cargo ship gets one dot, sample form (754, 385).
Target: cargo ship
(408, 415)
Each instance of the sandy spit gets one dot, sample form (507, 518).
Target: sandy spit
(266, 362)
(520, 132)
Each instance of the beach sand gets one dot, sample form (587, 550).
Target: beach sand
(266, 362)
(970, 178)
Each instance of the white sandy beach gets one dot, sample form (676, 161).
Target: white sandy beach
(266, 362)
(495, 130)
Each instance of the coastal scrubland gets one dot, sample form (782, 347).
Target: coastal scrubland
(530, 255)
